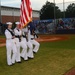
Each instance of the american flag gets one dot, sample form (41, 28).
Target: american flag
(25, 13)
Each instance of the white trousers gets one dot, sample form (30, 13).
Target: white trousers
(36, 44)
(11, 52)
(18, 58)
(30, 51)
(24, 49)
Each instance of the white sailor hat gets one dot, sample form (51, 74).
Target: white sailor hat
(17, 23)
(9, 23)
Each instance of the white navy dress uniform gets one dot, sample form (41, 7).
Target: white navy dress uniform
(29, 44)
(34, 42)
(10, 46)
(18, 40)
(24, 46)
(20, 43)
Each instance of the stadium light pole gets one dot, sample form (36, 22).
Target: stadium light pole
(64, 8)
(0, 12)
(54, 10)
(54, 16)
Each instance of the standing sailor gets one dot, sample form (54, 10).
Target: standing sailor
(29, 44)
(34, 42)
(24, 46)
(18, 35)
(21, 43)
(10, 45)
(32, 36)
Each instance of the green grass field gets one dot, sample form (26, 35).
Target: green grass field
(53, 58)
(2, 36)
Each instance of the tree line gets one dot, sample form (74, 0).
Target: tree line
(51, 11)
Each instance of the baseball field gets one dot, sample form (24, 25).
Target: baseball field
(56, 56)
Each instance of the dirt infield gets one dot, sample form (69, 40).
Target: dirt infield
(51, 38)
(71, 72)
(42, 38)
(2, 42)
(1, 45)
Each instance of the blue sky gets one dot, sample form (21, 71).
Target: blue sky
(36, 4)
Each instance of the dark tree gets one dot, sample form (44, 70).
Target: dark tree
(70, 11)
(47, 11)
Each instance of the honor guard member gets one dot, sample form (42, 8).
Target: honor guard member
(10, 45)
(29, 44)
(21, 43)
(24, 45)
(18, 34)
(32, 36)
(34, 42)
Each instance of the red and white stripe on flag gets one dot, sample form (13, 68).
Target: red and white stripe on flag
(25, 13)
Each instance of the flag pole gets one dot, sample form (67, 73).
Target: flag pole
(0, 12)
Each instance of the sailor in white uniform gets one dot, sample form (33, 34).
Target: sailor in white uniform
(24, 46)
(10, 45)
(18, 34)
(32, 36)
(29, 44)
(21, 42)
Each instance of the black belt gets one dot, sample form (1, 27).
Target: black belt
(32, 38)
(19, 37)
(23, 36)
(35, 35)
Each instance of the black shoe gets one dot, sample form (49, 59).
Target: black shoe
(13, 63)
(22, 58)
(30, 58)
(19, 62)
(34, 52)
